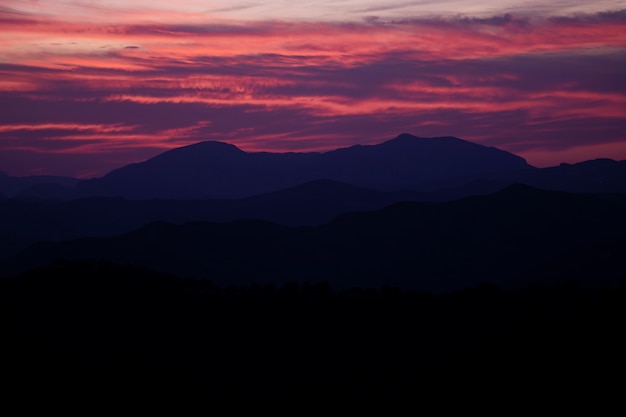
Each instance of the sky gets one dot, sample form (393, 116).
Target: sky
(89, 86)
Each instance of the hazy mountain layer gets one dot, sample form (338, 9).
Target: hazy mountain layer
(40, 186)
(25, 221)
(508, 238)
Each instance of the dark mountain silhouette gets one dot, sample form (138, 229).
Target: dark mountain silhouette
(594, 176)
(13, 186)
(446, 168)
(43, 212)
(219, 170)
(311, 203)
(47, 192)
(440, 169)
(292, 336)
(508, 238)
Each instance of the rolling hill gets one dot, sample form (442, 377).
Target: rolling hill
(509, 238)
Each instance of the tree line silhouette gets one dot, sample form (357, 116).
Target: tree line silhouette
(99, 322)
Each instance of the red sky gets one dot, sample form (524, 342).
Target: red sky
(88, 87)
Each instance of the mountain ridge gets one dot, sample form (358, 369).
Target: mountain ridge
(217, 170)
(214, 169)
(508, 238)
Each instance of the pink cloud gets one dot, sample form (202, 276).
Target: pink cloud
(65, 126)
(285, 86)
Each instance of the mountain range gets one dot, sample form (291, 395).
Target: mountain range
(25, 221)
(511, 238)
(38, 186)
(440, 168)
(421, 213)
(219, 170)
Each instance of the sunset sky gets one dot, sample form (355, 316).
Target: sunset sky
(89, 86)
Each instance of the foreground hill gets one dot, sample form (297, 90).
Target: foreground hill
(93, 324)
(220, 170)
(509, 238)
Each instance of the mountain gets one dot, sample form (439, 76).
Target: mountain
(510, 238)
(26, 221)
(13, 186)
(220, 170)
(30, 220)
(594, 176)
(443, 168)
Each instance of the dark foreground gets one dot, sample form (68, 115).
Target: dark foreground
(98, 323)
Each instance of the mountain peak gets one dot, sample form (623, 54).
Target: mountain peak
(406, 136)
(197, 152)
(211, 145)
(406, 139)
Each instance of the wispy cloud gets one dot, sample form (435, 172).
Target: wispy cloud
(520, 82)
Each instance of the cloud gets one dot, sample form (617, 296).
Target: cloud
(525, 84)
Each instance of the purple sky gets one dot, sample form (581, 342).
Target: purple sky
(86, 87)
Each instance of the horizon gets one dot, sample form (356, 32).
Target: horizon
(319, 152)
(90, 87)
(297, 151)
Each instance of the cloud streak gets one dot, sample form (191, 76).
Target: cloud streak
(129, 90)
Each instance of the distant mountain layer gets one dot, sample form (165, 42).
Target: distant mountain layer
(510, 238)
(220, 170)
(25, 221)
(594, 176)
(40, 186)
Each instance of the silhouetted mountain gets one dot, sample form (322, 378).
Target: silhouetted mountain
(314, 202)
(218, 170)
(595, 176)
(311, 203)
(46, 191)
(12, 186)
(439, 169)
(508, 238)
